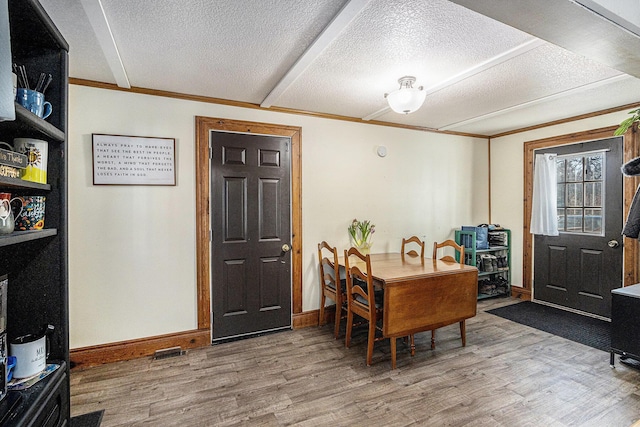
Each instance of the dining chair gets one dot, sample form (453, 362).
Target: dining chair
(458, 251)
(331, 286)
(412, 252)
(364, 301)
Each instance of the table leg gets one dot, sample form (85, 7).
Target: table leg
(393, 352)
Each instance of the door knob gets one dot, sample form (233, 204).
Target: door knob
(613, 243)
(286, 248)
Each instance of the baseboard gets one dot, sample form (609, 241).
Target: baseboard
(310, 318)
(520, 293)
(126, 350)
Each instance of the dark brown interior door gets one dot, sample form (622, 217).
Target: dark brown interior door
(250, 260)
(579, 268)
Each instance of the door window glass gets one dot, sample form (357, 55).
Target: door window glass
(580, 193)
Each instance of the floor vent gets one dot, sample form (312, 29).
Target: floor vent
(168, 352)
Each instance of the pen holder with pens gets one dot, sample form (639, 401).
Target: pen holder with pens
(33, 99)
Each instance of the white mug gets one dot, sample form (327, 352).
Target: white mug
(31, 353)
(31, 357)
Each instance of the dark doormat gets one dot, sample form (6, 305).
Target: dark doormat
(572, 326)
(92, 419)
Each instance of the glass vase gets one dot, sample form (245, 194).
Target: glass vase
(365, 247)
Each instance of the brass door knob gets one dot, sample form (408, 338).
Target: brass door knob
(286, 248)
(613, 243)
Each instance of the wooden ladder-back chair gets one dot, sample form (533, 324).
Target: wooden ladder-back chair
(458, 252)
(458, 249)
(412, 252)
(361, 300)
(330, 284)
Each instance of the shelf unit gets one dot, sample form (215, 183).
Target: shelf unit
(494, 281)
(36, 261)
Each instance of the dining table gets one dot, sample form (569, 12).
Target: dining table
(421, 294)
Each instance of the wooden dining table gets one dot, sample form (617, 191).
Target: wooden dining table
(422, 294)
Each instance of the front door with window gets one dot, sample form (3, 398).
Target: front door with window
(579, 268)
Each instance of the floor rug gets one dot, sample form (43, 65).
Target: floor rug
(572, 326)
(92, 419)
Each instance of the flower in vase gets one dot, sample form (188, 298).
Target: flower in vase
(361, 232)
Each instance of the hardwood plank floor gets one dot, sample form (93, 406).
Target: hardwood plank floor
(507, 375)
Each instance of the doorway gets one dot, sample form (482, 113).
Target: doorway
(205, 128)
(580, 267)
(629, 246)
(251, 234)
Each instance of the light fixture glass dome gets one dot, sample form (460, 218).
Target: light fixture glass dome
(407, 99)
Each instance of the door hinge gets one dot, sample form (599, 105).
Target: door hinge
(210, 153)
(210, 236)
(286, 147)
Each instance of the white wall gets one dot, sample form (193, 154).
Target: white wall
(132, 248)
(507, 177)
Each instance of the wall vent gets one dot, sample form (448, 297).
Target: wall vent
(168, 352)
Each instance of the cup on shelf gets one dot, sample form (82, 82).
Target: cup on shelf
(37, 152)
(31, 216)
(7, 224)
(34, 102)
(7, 218)
(11, 363)
(31, 352)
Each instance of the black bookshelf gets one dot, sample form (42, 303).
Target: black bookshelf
(36, 260)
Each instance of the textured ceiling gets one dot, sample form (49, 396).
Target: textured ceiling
(483, 76)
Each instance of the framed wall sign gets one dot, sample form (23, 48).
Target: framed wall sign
(133, 160)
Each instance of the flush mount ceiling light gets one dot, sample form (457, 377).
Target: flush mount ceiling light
(407, 99)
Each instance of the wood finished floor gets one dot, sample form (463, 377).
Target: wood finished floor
(507, 375)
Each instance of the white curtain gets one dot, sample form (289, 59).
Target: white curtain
(544, 207)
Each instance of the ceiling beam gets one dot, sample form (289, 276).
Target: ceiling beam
(375, 115)
(102, 30)
(488, 64)
(339, 22)
(472, 71)
(571, 25)
(543, 99)
(625, 13)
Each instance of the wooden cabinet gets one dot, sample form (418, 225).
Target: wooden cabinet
(36, 260)
(493, 263)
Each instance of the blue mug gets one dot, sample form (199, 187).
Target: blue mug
(11, 363)
(34, 102)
